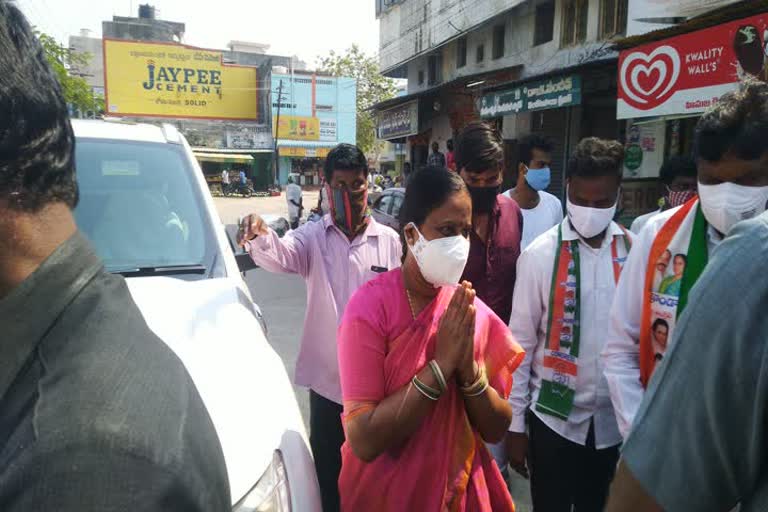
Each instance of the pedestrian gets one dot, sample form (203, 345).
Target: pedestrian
(407, 174)
(678, 174)
(712, 382)
(497, 227)
(98, 414)
(243, 179)
(295, 200)
(425, 371)
(561, 309)
(450, 157)
(733, 185)
(335, 257)
(225, 180)
(541, 210)
(436, 158)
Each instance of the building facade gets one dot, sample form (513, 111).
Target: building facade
(464, 59)
(311, 113)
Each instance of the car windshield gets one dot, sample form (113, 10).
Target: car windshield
(140, 208)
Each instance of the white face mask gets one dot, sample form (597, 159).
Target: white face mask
(727, 203)
(441, 260)
(590, 222)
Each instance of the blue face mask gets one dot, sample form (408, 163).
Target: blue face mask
(538, 179)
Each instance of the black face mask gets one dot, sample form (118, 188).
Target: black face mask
(483, 198)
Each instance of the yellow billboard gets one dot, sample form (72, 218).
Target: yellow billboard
(298, 128)
(172, 80)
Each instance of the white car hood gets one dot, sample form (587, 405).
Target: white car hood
(210, 325)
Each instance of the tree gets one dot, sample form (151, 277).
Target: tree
(77, 92)
(372, 88)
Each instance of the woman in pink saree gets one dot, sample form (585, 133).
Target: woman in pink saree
(426, 369)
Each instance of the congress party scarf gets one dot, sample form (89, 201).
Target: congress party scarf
(561, 355)
(682, 241)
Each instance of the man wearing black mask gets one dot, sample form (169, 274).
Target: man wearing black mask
(497, 223)
(497, 228)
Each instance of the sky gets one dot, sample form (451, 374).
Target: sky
(306, 28)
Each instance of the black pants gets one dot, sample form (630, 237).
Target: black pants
(326, 437)
(566, 474)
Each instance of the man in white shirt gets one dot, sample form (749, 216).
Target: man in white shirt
(541, 210)
(560, 312)
(732, 161)
(295, 202)
(224, 180)
(678, 174)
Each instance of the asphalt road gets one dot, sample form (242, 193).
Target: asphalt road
(282, 299)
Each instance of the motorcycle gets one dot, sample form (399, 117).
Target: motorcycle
(237, 188)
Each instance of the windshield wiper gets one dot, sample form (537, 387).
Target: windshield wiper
(163, 270)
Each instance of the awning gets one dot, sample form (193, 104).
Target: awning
(305, 143)
(224, 157)
(304, 148)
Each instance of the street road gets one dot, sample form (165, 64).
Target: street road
(283, 300)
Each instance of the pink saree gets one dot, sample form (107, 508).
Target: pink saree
(445, 465)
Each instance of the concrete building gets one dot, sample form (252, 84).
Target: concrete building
(479, 59)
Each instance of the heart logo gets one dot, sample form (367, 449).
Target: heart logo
(648, 80)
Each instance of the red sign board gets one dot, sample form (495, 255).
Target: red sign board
(689, 73)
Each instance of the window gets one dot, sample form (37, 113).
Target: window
(435, 69)
(613, 18)
(461, 52)
(421, 77)
(384, 204)
(545, 23)
(480, 54)
(574, 25)
(499, 35)
(396, 205)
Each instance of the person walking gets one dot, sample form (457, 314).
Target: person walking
(293, 196)
(733, 185)
(98, 414)
(561, 309)
(678, 174)
(335, 257)
(497, 227)
(541, 210)
(450, 156)
(436, 158)
(225, 180)
(425, 371)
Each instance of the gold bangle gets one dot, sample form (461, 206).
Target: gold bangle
(439, 377)
(478, 386)
(429, 392)
(479, 391)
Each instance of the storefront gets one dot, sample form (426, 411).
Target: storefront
(548, 107)
(306, 161)
(665, 86)
(255, 164)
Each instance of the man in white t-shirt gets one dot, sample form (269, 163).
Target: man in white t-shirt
(295, 204)
(541, 210)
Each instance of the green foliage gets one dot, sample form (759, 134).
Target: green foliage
(372, 88)
(76, 90)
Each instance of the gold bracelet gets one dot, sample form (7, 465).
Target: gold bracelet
(439, 377)
(429, 392)
(477, 387)
(479, 391)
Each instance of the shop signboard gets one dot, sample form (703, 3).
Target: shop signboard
(172, 80)
(298, 128)
(647, 15)
(553, 93)
(298, 152)
(688, 74)
(400, 121)
(328, 130)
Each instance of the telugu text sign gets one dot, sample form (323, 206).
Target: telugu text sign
(170, 80)
(688, 74)
(400, 121)
(554, 93)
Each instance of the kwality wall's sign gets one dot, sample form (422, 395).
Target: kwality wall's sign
(688, 74)
(400, 121)
(553, 93)
(172, 80)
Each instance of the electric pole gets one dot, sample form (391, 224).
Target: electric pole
(277, 133)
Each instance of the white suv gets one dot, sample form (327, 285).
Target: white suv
(145, 206)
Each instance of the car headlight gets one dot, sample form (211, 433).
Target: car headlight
(271, 492)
